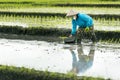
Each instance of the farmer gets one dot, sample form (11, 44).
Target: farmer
(84, 23)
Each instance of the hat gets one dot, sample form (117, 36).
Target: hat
(71, 13)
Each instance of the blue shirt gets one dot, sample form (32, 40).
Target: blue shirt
(82, 21)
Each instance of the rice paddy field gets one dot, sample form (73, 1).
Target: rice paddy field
(32, 34)
(109, 24)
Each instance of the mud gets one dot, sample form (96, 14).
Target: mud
(13, 24)
(87, 59)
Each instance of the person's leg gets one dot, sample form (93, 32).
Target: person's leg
(79, 35)
(92, 33)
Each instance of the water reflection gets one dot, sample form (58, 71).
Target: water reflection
(81, 62)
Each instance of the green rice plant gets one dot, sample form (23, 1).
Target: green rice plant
(42, 9)
(27, 5)
(62, 1)
(57, 22)
(108, 36)
(21, 73)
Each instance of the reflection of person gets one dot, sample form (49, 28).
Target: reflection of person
(84, 23)
(84, 61)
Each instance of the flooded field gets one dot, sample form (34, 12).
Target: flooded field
(97, 60)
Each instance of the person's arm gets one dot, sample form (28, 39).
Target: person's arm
(74, 26)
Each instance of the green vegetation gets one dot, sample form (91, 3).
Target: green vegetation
(38, 3)
(108, 36)
(34, 30)
(56, 21)
(29, 13)
(88, 10)
(47, 18)
(63, 1)
(17, 73)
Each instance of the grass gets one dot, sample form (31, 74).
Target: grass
(21, 73)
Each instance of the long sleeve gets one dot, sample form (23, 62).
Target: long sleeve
(74, 26)
(88, 20)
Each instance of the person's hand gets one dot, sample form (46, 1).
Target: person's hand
(87, 29)
(70, 35)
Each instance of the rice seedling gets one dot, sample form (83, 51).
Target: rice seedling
(63, 1)
(88, 10)
(57, 22)
(21, 73)
(107, 36)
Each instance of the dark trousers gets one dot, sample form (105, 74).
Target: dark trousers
(82, 34)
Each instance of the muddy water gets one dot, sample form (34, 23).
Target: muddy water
(13, 24)
(97, 60)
